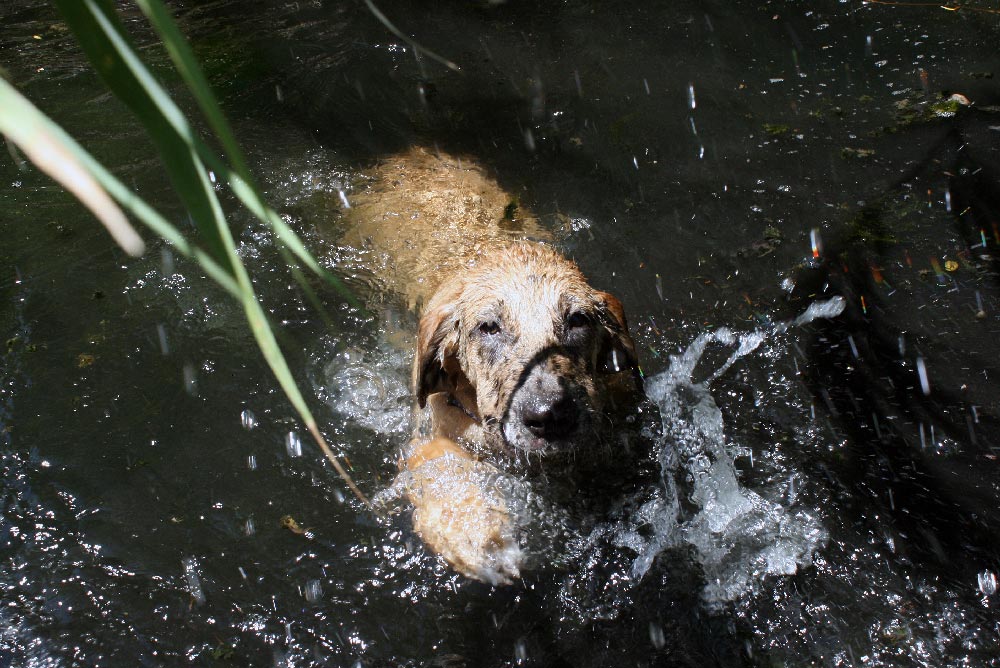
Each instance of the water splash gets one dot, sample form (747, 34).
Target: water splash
(739, 536)
(371, 389)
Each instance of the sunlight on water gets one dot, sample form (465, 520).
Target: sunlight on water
(739, 536)
(370, 388)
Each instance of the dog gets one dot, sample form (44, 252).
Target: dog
(521, 367)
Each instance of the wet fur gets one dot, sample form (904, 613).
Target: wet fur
(510, 330)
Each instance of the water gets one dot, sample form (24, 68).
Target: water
(830, 482)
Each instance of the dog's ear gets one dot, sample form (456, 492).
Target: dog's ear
(437, 340)
(618, 351)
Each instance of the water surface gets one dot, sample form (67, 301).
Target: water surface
(830, 484)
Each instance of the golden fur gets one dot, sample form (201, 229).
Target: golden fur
(517, 354)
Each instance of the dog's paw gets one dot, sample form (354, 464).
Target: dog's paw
(462, 514)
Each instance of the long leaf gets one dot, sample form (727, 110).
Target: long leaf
(239, 177)
(103, 39)
(16, 112)
(24, 126)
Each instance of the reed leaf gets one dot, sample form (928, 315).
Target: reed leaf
(27, 128)
(17, 114)
(239, 177)
(103, 38)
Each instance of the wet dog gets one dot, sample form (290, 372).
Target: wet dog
(521, 366)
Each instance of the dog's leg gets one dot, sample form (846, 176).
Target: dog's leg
(460, 512)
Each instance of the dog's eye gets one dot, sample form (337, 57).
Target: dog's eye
(489, 328)
(576, 320)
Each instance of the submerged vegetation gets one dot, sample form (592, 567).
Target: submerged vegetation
(193, 167)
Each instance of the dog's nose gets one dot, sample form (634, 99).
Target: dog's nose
(551, 419)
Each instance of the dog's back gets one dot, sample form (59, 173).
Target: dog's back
(428, 215)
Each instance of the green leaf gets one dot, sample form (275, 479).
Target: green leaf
(103, 39)
(17, 118)
(239, 177)
(28, 128)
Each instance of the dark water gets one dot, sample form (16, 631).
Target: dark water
(831, 487)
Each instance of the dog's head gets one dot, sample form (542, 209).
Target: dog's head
(524, 345)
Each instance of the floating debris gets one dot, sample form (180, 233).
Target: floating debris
(857, 153)
(288, 522)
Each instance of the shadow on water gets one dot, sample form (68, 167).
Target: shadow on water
(830, 484)
(914, 388)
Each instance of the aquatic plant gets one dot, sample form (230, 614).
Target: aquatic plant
(191, 165)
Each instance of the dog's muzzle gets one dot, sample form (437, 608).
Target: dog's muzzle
(544, 415)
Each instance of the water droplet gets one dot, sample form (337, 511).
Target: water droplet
(248, 419)
(925, 385)
(249, 528)
(293, 444)
(190, 380)
(815, 242)
(192, 579)
(161, 333)
(691, 101)
(987, 582)
(520, 651)
(343, 199)
(252, 462)
(166, 262)
(854, 347)
(529, 140)
(313, 591)
(656, 635)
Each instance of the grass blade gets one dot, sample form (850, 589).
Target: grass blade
(103, 38)
(15, 111)
(239, 177)
(24, 125)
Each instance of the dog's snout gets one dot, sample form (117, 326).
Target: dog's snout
(551, 418)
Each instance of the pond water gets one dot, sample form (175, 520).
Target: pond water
(800, 220)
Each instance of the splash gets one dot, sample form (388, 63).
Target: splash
(739, 536)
